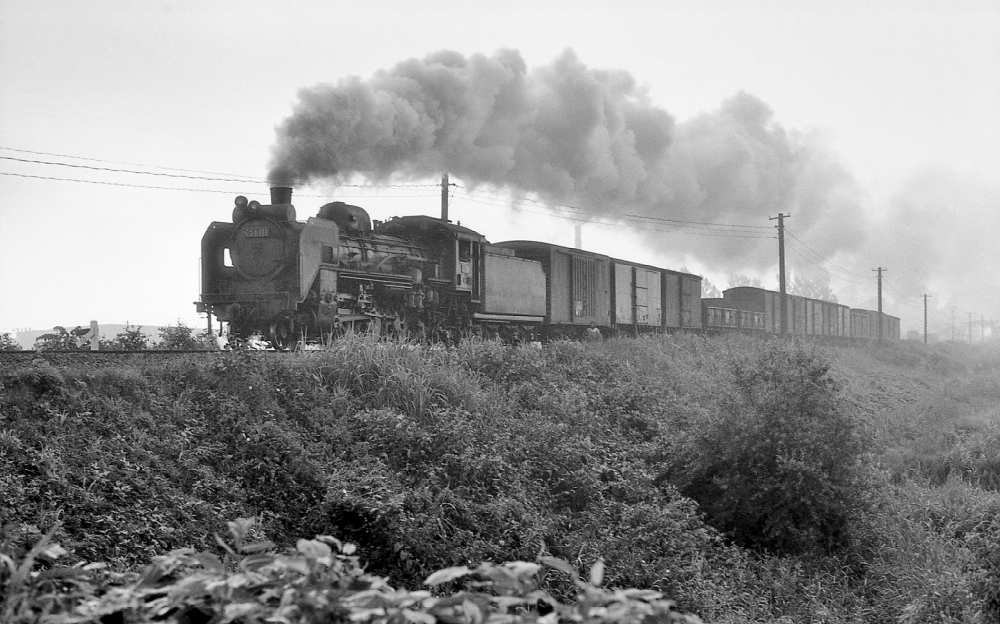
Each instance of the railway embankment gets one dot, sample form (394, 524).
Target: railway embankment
(747, 480)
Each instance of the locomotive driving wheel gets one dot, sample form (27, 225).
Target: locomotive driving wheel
(282, 334)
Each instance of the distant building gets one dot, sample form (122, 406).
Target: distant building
(26, 338)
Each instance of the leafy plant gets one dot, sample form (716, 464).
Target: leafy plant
(62, 339)
(180, 337)
(132, 339)
(318, 580)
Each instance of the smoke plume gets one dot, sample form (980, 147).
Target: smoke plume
(562, 131)
(570, 134)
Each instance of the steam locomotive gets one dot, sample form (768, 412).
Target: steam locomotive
(266, 274)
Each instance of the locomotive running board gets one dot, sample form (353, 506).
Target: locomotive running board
(507, 318)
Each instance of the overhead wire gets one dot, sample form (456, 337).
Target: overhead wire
(179, 188)
(634, 220)
(130, 164)
(820, 257)
(629, 217)
(897, 296)
(205, 175)
(797, 251)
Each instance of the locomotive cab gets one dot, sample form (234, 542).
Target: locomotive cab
(458, 250)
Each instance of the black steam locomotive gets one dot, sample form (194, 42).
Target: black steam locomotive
(267, 274)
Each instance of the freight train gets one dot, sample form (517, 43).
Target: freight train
(266, 274)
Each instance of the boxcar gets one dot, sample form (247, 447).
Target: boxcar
(513, 288)
(636, 297)
(806, 317)
(577, 283)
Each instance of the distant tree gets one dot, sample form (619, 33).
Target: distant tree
(744, 280)
(61, 340)
(708, 289)
(7, 343)
(812, 287)
(180, 337)
(132, 339)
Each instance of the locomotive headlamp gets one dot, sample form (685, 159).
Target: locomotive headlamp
(254, 205)
(241, 201)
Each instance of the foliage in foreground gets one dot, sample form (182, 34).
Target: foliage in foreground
(319, 580)
(435, 458)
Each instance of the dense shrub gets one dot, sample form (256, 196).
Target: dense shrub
(776, 466)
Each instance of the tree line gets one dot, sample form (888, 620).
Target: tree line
(177, 337)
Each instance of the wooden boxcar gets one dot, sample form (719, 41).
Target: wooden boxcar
(636, 297)
(647, 298)
(583, 287)
(513, 288)
(577, 283)
(805, 316)
(864, 324)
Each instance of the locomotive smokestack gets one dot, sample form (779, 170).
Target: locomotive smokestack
(281, 195)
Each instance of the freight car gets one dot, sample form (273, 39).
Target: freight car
(810, 317)
(619, 297)
(723, 315)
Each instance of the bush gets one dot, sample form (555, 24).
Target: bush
(776, 466)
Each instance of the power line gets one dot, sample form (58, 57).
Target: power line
(700, 223)
(176, 188)
(206, 175)
(628, 217)
(796, 250)
(899, 297)
(633, 222)
(821, 258)
(131, 164)
(145, 186)
(132, 171)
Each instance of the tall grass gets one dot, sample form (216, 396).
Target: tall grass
(750, 480)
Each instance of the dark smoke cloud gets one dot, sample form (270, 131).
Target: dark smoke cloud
(571, 134)
(562, 131)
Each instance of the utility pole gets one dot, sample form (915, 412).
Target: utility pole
(444, 197)
(926, 297)
(781, 270)
(880, 269)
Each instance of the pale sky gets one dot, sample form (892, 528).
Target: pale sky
(903, 96)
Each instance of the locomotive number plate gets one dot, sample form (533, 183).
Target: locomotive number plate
(258, 232)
